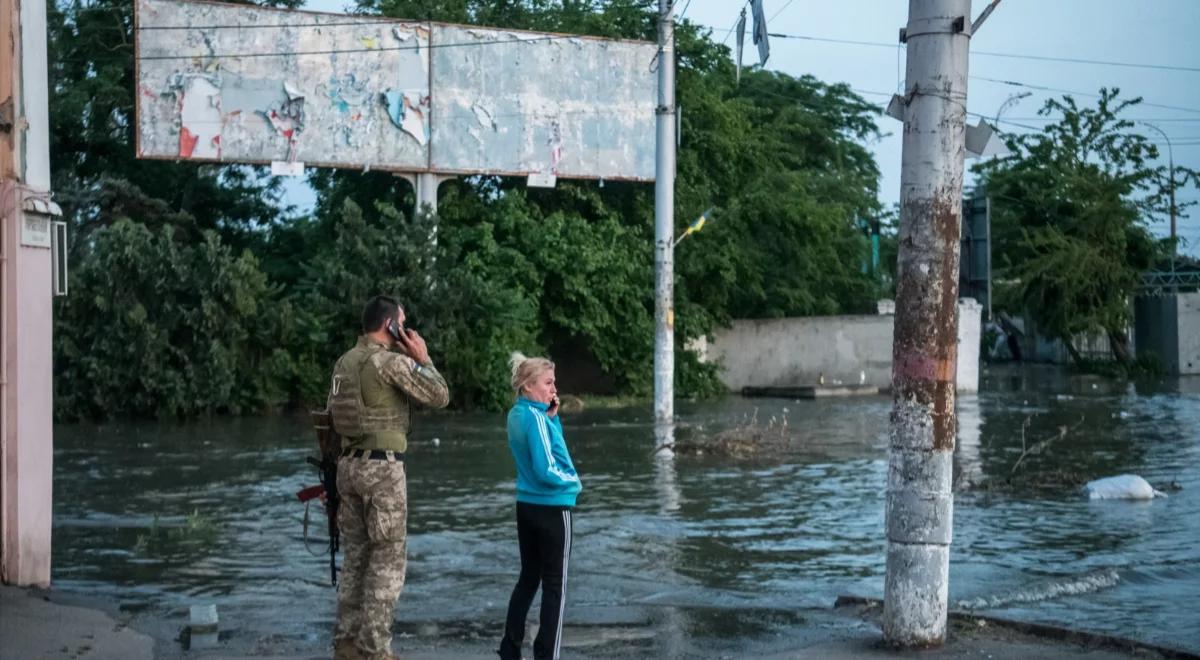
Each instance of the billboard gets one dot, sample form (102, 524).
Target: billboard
(243, 84)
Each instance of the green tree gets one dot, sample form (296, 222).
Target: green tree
(163, 328)
(783, 159)
(568, 270)
(1071, 207)
(474, 299)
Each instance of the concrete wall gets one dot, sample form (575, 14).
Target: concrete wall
(1189, 333)
(1155, 328)
(1169, 327)
(970, 327)
(800, 351)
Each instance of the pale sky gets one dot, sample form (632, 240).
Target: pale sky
(1158, 32)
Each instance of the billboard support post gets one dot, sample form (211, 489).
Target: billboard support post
(425, 187)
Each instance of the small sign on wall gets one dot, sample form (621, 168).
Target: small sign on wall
(287, 168)
(542, 180)
(35, 230)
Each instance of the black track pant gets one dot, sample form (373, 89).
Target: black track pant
(544, 533)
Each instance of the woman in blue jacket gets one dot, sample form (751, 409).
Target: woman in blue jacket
(546, 489)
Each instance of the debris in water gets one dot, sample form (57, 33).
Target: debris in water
(748, 440)
(1121, 487)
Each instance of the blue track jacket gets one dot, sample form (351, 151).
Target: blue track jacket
(545, 473)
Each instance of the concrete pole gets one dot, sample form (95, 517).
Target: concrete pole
(425, 187)
(924, 351)
(26, 296)
(664, 222)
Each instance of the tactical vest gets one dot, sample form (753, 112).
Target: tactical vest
(352, 418)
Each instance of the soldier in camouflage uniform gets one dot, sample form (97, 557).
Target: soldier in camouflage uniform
(370, 400)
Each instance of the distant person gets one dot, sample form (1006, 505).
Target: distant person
(374, 387)
(547, 486)
(1012, 336)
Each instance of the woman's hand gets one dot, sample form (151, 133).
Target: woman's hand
(553, 409)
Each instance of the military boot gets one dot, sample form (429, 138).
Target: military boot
(345, 649)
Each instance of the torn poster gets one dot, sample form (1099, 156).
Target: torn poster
(200, 119)
(288, 121)
(408, 116)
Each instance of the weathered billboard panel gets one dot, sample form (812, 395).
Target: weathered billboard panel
(519, 102)
(236, 83)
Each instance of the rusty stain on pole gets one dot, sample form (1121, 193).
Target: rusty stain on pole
(920, 503)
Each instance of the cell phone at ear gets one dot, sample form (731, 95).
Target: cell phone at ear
(394, 329)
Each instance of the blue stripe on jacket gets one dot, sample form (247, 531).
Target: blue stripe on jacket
(545, 473)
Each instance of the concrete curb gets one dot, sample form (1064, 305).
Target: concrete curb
(1047, 631)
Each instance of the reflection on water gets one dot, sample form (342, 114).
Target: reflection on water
(164, 516)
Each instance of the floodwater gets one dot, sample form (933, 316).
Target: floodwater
(160, 516)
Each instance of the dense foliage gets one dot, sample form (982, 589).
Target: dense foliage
(1070, 213)
(245, 307)
(161, 327)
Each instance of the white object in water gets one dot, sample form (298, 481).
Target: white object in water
(1121, 487)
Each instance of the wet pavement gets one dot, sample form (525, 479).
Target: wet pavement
(38, 625)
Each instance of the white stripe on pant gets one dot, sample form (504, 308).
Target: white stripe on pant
(562, 604)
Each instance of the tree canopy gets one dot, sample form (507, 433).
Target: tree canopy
(568, 271)
(1071, 206)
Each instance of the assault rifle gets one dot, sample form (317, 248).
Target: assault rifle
(331, 446)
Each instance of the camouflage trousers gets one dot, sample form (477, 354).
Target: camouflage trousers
(373, 521)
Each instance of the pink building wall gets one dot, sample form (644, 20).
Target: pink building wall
(26, 312)
(26, 447)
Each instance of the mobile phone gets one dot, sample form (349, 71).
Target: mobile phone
(394, 329)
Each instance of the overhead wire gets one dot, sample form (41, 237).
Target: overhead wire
(779, 35)
(983, 78)
(729, 32)
(683, 13)
(781, 10)
(1049, 58)
(1060, 90)
(376, 21)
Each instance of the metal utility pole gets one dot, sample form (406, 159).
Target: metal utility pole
(664, 221)
(1171, 169)
(924, 347)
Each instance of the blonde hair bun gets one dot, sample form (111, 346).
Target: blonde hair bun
(525, 369)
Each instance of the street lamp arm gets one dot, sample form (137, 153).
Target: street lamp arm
(1171, 189)
(1170, 150)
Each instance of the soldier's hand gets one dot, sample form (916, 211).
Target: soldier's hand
(414, 345)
